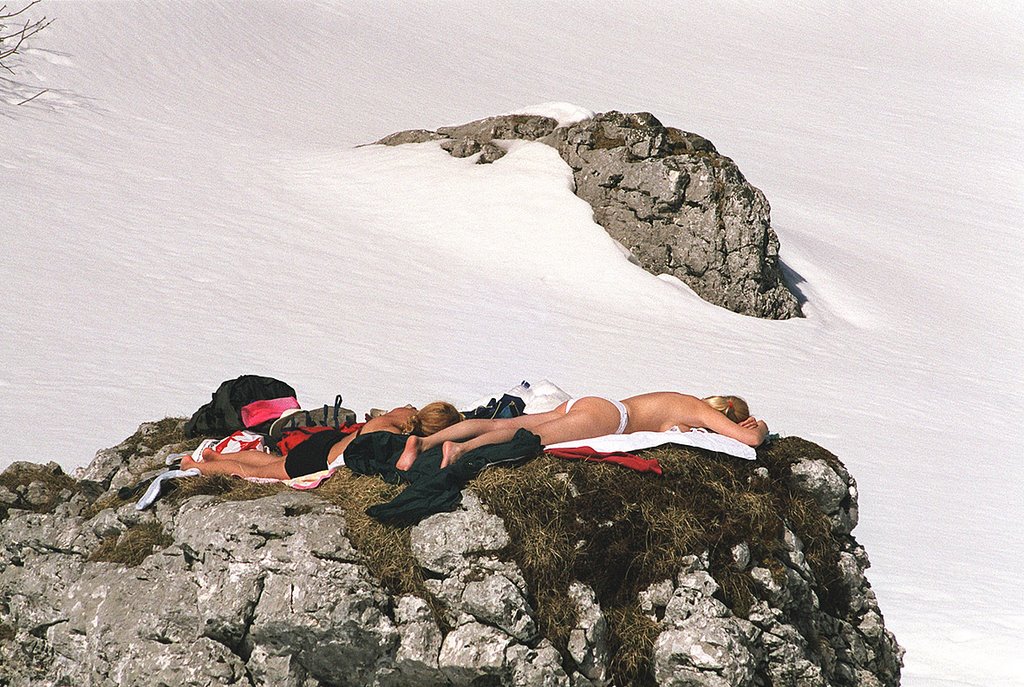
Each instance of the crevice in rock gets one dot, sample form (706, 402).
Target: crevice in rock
(244, 646)
(47, 549)
(39, 631)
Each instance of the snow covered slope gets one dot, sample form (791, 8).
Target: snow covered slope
(186, 204)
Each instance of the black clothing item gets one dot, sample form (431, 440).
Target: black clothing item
(223, 414)
(376, 453)
(311, 455)
(431, 489)
(506, 406)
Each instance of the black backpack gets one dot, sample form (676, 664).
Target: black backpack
(223, 414)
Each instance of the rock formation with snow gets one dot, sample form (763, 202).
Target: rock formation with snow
(676, 204)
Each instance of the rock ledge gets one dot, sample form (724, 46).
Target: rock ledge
(277, 587)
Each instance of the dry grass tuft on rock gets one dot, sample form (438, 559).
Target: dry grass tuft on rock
(169, 432)
(33, 487)
(133, 545)
(620, 531)
(385, 548)
(223, 487)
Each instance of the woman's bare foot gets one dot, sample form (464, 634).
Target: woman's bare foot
(409, 454)
(187, 462)
(451, 452)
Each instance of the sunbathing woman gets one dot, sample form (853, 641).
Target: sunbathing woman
(593, 416)
(321, 449)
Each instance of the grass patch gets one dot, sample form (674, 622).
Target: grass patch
(111, 501)
(154, 435)
(619, 531)
(57, 487)
(632, 657)
(221, 486)
(134, 545)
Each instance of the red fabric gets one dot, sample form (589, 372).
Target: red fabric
(240, 441)
(626, 460)
(294, 437)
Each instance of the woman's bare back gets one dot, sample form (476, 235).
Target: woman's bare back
(661, 410)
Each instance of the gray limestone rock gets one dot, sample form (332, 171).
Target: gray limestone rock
(588, 640)
(147, 663)
(655, 599)
(497, 601)
(275, 670)
(411, 136)
(419, 643)
(693, 595)
(832, 487)
(741, 555)
(461, 147)
(524, 127)
(702, 643)
(442, 542)
(817, 478)
(272, 591)
(538, 667)
(489, 152)
(710, 652)
(473, 650)
(680, 208)
(666, 196)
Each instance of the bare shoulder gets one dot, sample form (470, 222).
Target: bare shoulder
(391, 421)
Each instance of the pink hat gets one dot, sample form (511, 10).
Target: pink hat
(258, 412)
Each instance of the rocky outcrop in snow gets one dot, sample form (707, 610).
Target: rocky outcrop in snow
(272, 591)
(666, 195)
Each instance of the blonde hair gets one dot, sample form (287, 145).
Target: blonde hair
(432, 418)
(733, 407)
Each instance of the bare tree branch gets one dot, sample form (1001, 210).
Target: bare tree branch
(6, 15)
(34, 97)
(9, 15)
(29, 29)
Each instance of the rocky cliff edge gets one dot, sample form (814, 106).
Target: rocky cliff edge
(561, 573)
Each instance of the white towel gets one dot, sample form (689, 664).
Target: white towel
(153, 492)
(635, 441)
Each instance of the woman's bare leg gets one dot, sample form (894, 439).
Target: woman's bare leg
(241, 464)
(589, 417)
(470, 429)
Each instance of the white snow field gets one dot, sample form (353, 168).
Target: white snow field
(186, 203)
